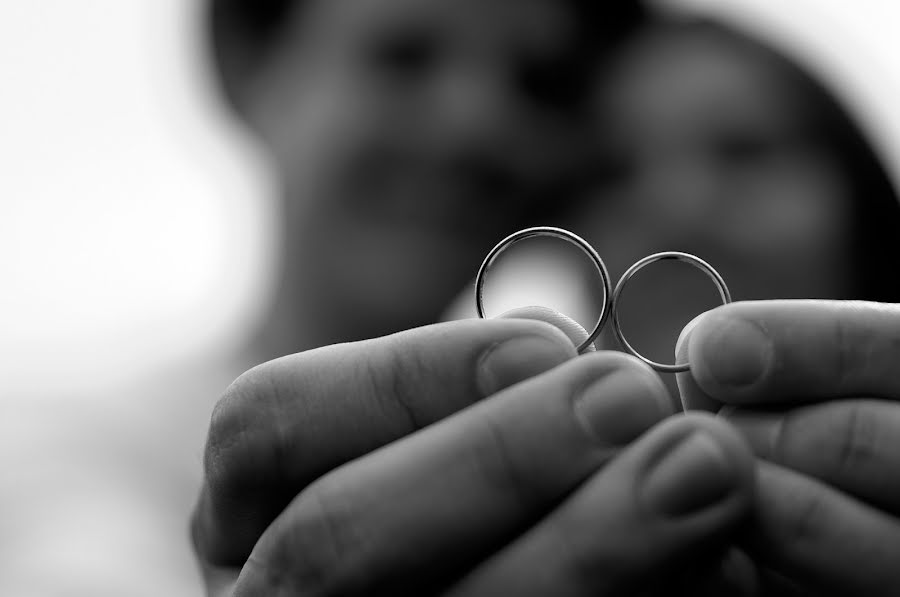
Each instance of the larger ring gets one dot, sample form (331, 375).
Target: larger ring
(556, 233)
(676, 255)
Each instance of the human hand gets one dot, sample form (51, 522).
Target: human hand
(418, 463)
(814, 387)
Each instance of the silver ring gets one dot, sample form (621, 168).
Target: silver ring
(556, 233)
(678, 256)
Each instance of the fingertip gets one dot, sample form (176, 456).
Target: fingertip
(571, 329)
(638, 372)
(624, 400)
(683, 338)
(648, 377)
(731, 355)
(520, 358)
(692, 395)
(734, 446)
(671, 502)
(697, 464)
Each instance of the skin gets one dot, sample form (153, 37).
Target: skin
(320, 466)
(522, 466)
(405, 133)
(813, 387)
(301, 498)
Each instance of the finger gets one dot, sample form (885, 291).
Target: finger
(777, 351)
(424, 508)
(692, 396)
(822, 538)
(849, 444)
(668, 502)
(570, 328)
(287, 422)
(567, 325)
(219, 581)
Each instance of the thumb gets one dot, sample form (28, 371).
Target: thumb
(692, 395)
(571, 328)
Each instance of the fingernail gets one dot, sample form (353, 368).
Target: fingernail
(735, 353)
(695, 475)
(620, 406)
(517, 359)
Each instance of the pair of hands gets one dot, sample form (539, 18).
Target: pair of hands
(484, 458)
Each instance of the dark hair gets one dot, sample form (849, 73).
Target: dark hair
(243, 32)
(876, 210)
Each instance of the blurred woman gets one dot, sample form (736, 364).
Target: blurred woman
(712, 143)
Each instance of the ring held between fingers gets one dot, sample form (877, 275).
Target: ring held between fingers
(775, 352)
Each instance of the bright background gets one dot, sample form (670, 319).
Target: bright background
(133, 213)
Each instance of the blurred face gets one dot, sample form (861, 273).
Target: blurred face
(705, 146)
(409, 134)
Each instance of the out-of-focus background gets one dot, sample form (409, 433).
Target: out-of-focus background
(138, 227)
(133, 213)
(130, 233)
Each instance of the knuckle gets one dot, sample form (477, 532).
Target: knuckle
(810, 516)
(833, 441)
(396, 376)
(238, 422)
(856, 438)
(502, 467)
(318, 549)
(242, 489)
(784, 437)
(578, 555)
(578, 562)
(867, 347)
(845, 355)
(260, 576)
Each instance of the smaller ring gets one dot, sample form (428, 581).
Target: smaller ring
(565, 235)
(703, 266)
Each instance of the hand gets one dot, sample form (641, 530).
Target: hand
(418, 463)
(814, 387)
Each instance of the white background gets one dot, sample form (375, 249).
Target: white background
(134, 215)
